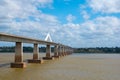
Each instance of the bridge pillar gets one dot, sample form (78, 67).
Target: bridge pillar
(48, 53)
(35, 52)
(60, 51)
(63, 51)
(56, 52)
(70, 50)
(67, 51)
(35, 55)
(59, 54)
(18, 56)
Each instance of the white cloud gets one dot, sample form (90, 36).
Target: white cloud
(45, 1)
(70, 18)
(85, 15)
(104, 31)
(105, 6)
(105, 25)
(15, 8)
(21, 17)
(48, 18)
(21, 8)
(101, 31)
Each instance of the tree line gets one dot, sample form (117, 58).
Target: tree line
(76, 50)
(97, 50)
(25, 49)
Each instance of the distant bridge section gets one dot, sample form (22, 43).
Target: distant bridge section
(59, 49)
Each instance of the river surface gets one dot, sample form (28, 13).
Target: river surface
(72, 67)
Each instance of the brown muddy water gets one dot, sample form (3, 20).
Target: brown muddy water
(72, 67)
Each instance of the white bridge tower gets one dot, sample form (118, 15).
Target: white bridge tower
(48, 38)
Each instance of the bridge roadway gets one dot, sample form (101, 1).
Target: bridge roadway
(59, 49)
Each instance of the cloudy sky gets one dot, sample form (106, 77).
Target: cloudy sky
(78, 23)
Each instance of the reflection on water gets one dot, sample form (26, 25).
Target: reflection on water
(72, 67)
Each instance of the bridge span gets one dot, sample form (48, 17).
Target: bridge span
(59, 49)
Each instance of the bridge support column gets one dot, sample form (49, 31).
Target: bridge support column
(60, 51)
(67, 51)
(48, 53)
(35, 55)
(70, 51)
(56, 52)
(63, 51)
(18, 57)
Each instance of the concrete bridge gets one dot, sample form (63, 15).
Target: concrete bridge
(59, 49)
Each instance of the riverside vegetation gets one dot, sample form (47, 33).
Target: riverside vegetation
(76, 50)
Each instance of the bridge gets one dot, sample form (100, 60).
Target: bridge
(59, 49)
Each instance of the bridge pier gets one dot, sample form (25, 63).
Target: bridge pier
(18, 56)
(48, 53)
(56, 52)
(63, 51)
(68, 52)
(59, 54)
(35, 55)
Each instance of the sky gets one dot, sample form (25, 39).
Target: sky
(77, 23)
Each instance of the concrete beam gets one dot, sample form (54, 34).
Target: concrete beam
(14, 38)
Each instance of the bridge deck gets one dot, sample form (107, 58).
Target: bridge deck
(14, 38)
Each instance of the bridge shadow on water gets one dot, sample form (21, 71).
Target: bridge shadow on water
(8, 64)
(4, 65)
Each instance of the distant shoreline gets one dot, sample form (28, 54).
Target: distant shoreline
(53, 53)
(106, 50)
(98, 50)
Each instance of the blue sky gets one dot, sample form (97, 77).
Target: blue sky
(77, 23)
